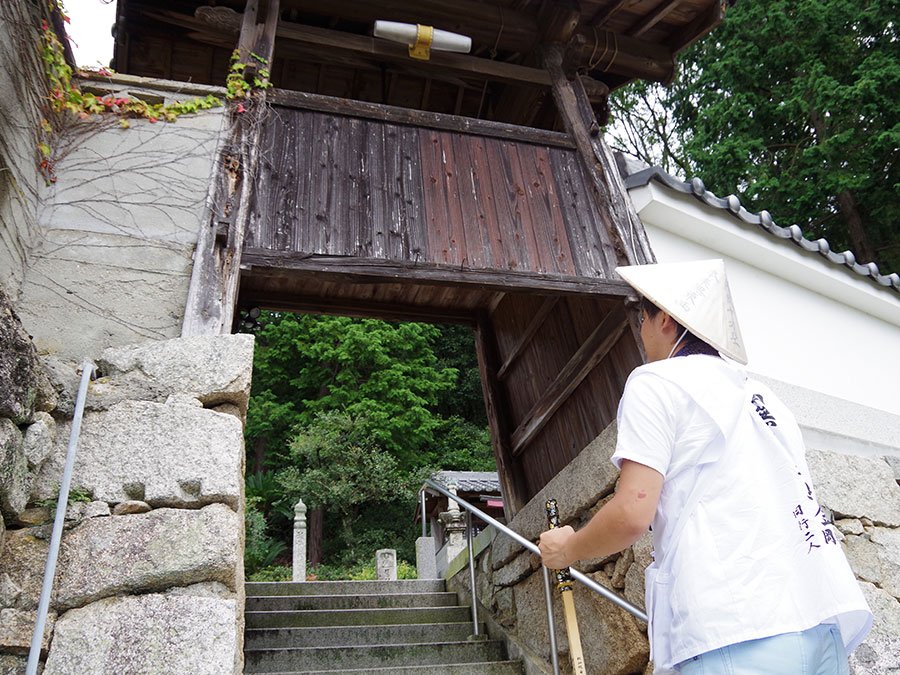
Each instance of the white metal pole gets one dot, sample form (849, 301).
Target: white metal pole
(62, 501)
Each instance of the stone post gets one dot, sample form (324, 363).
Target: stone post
(386, 564)
(426, 563)
(299, 567)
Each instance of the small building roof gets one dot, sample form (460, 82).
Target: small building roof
(469, 481)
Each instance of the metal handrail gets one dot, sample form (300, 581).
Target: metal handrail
(62, 501)
(613, 597)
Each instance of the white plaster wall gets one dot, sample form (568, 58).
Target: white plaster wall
(119, 229)
(806, 322)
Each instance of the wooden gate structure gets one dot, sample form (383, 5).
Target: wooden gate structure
(471, 189)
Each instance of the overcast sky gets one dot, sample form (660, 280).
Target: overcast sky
(90, 29)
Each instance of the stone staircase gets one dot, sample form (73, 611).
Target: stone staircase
(356, 627)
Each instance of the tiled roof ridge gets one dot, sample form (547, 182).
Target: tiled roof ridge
(469, 481)
(763, 219)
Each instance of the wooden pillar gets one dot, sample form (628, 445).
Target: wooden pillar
(621, 220)
(619, 216)
(512, 483)
(214, 279)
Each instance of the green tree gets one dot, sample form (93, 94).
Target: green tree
(793, 106)
(413, 388)
(337, 465)
(384, 373)
(455, 348)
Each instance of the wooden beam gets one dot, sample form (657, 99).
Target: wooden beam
(653, 18)
(611, 52)
(559, 20)
(350, 269)
(604, 51)
(495, 302)
(417, 118)
(525, 337)
(604, 14)
(512, 483)
(367, 309)
(215, 275)
(487, 23)
(591, 352)
(382, 50)
(619, 217)
(697, 28)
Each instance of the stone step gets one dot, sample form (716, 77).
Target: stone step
(357, 617)
(346, 658)
(255, 588)
(485, 668)
(298, 602)
(336, 636)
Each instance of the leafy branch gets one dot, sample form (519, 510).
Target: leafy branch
(66, 97)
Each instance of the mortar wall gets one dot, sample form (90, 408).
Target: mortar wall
(20, 118)
(119, 228)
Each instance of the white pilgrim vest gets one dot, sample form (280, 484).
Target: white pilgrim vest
(742, 549)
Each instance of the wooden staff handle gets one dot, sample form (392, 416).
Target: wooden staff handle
(565, 585)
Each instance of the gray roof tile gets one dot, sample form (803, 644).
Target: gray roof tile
(469, 481)
(762, 219)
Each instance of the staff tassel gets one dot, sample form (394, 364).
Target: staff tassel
(565, 584)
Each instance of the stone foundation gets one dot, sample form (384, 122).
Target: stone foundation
(150, 571)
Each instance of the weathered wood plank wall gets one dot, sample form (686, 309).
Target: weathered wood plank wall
(346, 186)
(592, 404)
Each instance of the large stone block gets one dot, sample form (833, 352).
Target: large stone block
(894, 463)
(879, 654)
(152, 551)
(875, 557)
(17, 627)
(166, 455)
(15, 480)
(13, 664)
(22, 568)
(24, 386)
(856, 486)
(614, 642)
(154, 633)
(581, 484)
(516, 570)
(65, 379)
(213, 369)
(618, 640)
(39, 440)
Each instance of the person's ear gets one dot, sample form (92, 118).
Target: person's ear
(668, 323)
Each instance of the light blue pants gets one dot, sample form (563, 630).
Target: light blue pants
(817, 651)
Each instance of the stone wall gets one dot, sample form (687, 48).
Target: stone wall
(150, 572)
(862, 492)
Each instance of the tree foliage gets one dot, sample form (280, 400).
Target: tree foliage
(350, 415)
(793, 106)
(384, 373)
(336, 465)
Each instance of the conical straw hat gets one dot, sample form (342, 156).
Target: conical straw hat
(695, 294)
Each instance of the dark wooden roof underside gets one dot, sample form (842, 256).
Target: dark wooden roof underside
(327, 48)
